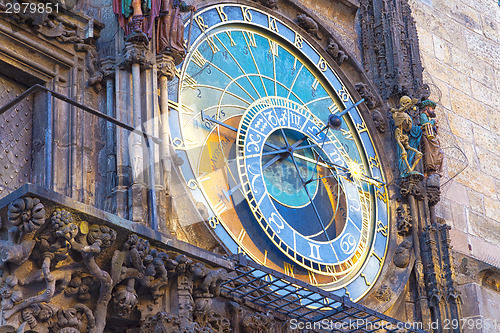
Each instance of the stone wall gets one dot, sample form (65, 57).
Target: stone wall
(460, 51)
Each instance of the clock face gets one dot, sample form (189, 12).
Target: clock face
(249, 121)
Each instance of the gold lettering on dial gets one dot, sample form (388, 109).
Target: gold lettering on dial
(312, 278)
(298, 41)
(322, 65)
(273, 25)
(189, 81)
(382, 228)
(250, 37)
(192, 184)
(231, 40)
(343, 94)
(333, 108)
(213, 222)
(288, 268)
(213, 46)
(198, 59)
(273, 47)
(315, 84)
(222, 15)
(201, 23)
(220, 207)
(314, 251)
(241, 235)
(247, 15)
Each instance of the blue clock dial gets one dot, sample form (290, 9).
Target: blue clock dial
(252, 102)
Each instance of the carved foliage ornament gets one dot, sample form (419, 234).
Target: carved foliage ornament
(76, 267)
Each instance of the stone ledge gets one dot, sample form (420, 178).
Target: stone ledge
(94, 215)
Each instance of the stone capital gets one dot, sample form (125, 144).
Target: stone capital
(136, 50)
(165, 65)
(108, 68)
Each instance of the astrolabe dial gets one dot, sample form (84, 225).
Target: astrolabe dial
(249, 120)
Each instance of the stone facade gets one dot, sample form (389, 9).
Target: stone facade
(120, 239)
(460, 53)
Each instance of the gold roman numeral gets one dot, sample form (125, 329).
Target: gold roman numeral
(189, 82)
(250, 38)
(213, 46)
(198, 59)
(315, 84)
(333, 108)
(288, 268)
(231, 40)
(273, 47)
(312, 277)
(220, 207)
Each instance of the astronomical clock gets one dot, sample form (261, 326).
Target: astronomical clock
(276, 149)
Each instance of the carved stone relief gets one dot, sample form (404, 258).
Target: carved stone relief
(64, 274)
(333, 49)
(402, 254)
(273, 4)
(403, 221)
(309, 25)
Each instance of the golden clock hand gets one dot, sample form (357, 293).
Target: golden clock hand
(329, 165)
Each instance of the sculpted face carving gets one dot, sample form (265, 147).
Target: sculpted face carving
(378, 120)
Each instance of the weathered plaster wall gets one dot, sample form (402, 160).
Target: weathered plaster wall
(460, 51)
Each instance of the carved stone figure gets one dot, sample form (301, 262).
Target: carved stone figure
(9, 292)
(364, 92)
(37, 313)
(308, 24)
(402, 254)
(170, 30)
(404, 126)
(130, 15)
(125, 298)
(433, 188)
(403, 221)
(384, 293)
(273, 4)
(335, 52)
(433, 158)
(379, 120)
(256, 323)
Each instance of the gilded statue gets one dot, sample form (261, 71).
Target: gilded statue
(404, 126)
(433, 158)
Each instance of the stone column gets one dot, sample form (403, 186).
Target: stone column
(410, 189)
(135, 56)
(166, 70)
(108, 69)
